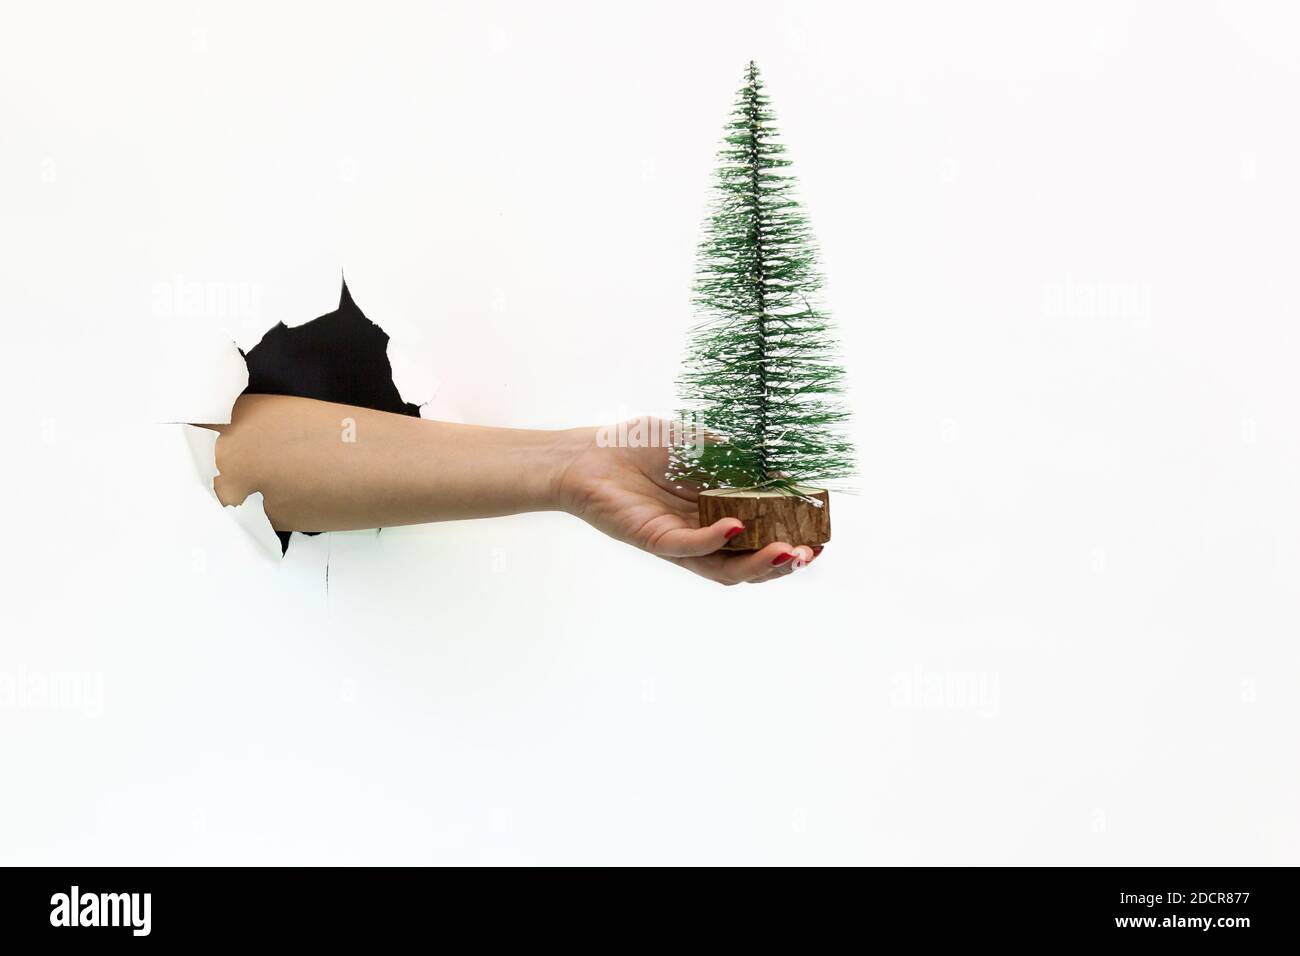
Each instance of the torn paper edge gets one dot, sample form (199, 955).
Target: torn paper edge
(251, 514)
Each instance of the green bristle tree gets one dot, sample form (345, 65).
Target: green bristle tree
(761, 374)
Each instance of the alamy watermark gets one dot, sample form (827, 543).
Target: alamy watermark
(650, 432)
(209, 299)
(1073, 298)
(64, 691)
(76, 908)
(975, 691)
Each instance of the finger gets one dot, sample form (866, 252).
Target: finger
(783, 572)
(695, 542)
(802, 557)
(757, 564)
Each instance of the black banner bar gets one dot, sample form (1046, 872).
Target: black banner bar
(232, 905)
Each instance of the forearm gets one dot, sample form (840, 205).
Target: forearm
(396, 470)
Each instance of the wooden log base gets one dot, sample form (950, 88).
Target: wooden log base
(769, 516)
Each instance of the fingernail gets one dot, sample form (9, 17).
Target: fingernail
(781, 559)
(817, 549)
(734, 531)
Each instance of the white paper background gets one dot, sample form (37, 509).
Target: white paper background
(1058, 625)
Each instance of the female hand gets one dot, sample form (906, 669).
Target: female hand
(623, 492)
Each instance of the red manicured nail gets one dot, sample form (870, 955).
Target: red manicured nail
(781, 559)
(817, 549)
(734, 531)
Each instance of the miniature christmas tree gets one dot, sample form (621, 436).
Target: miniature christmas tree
(761, 375)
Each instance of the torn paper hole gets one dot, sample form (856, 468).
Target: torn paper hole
(341, 356)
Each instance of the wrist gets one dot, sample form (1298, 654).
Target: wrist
(565, 491)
